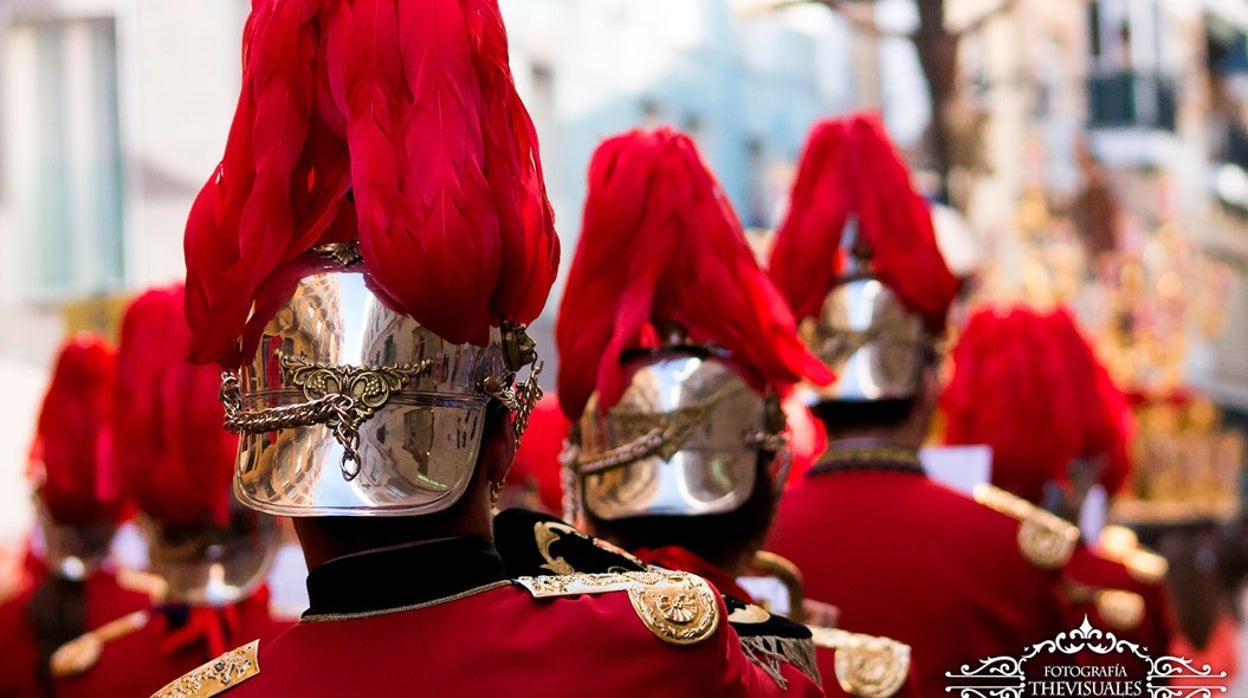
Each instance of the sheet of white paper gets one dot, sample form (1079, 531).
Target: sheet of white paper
(1095, 511)
(958, 467)
(769, 590)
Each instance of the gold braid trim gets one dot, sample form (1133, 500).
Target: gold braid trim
(340, 397)
(679, 608)
(1044, 538)
(217, 676)
(1123, 610)
(663, 434)
(1145, 566)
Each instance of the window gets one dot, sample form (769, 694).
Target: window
(64, 168)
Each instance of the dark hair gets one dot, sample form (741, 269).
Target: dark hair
(717, 538)
(57, 614)
(842, 416)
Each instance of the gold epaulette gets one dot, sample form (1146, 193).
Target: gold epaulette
(1145, 566)
(1122, 610)
(866, 665)
(140, 582)
(217, 676)
(1045, 539)
(1120, 544)
(80, 654)
(678, 607)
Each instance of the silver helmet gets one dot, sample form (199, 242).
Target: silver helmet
(210, 564)
(350, 408)
(877, 347)
(685, 438)
(73, 551)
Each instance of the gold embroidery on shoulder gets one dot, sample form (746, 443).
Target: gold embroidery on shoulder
(1045, 539)
(679, 608)
(1123, 610)
(217, 676)
(749, 615)
(152, 585)
(80, 654)
(1147, 567)
(546, 533)
(866, 666)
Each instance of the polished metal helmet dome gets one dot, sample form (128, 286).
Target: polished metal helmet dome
(350, 408)
(209, 564)
(72, 551)
(877, 347)
(685, 438)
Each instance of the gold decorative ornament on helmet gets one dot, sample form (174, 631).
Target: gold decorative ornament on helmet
(684, 438)
(366, 277)
(351, 408)
(877, 347)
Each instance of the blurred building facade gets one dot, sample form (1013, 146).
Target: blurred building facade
(1101, 137)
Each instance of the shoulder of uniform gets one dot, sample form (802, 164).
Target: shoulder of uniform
(1145, 566)
(141, 582)
(80, 654)
(1045, 539)
(678, 607)
(868, 666)
(217, 676)
(1122, 610)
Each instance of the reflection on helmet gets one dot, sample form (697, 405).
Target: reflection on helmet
(684, 439)
(352, 409)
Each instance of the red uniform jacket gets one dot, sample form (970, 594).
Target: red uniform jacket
(904, 557)
(1088, 577)
(175, 640)
(440, 619)
(19, 653)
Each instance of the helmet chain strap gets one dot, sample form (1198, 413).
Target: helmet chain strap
(335, 410)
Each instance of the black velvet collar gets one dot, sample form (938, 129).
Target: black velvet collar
(401, 576)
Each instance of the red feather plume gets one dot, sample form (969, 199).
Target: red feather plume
(537, 459)
(177, 458)
(1101, 408)
(850, 168)
(1010, 390)
(659, 242)
(1030, 386)
(392, 123)
(71, 460)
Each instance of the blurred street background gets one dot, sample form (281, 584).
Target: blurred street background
(1093, 152)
